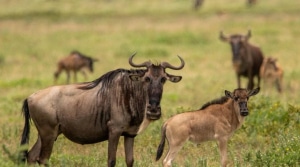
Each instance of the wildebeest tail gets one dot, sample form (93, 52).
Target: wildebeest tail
(26, 129)
(161, 146)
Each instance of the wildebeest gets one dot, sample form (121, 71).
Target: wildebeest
(215, 120)
(119, 103)
(271, 72)
(198, 3)
(247, 58)
(75, 62)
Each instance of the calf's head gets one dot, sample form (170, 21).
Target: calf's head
(240, 97)
(154, 79)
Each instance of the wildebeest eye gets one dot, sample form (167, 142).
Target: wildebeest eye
(163, 80)
(147, 79)
(236, 98)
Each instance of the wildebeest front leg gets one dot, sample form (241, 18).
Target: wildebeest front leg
(129, 142)
(113, 141)
(223, 151)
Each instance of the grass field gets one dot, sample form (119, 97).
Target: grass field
(35, 34)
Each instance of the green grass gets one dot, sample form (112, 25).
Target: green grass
(35, 34)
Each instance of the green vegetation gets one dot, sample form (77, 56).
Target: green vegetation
(35, 34)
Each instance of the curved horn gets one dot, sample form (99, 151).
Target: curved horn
(145, 64)
(222, 37)
(168, 65)
(248, 35)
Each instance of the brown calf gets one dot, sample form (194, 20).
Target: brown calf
(75, 62)
(216, 120)
(271, 72)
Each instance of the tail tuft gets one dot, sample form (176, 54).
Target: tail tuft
(161, 146)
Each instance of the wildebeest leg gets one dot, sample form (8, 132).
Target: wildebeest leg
(84, 74)
(223, 151)
(258, 81)
(75, 76)
(48, 136)
(34, 153)
(113, 141)
(128, 142)
(175, 144)
(68, 76)
(278, 85)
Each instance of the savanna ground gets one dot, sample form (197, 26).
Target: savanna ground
(35, 34)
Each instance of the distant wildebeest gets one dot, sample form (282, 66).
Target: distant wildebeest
(271, 72)
(75, 62)
(247, 58)
(198, 3)
(119, 103)
(215, 120)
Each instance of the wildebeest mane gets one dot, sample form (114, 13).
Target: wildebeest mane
(220, 100)
(107, 78)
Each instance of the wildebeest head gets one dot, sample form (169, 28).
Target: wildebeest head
(269, 65)
(238, 44)
(240, 97)
(91, 63)
(154, 79)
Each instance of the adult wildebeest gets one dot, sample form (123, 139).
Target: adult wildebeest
(247, 59)
(215, 120)
(271, 72)
(119, 103)
(75, 62)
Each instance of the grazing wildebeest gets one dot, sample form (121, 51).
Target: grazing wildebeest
(198, 3)
(247, 58)
(271, 72)
(75, 62)
(215, 120)
(119, 103)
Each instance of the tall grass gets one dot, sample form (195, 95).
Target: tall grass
(35, 34)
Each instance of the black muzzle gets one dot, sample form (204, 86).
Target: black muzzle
(153, 111)
(243, 109)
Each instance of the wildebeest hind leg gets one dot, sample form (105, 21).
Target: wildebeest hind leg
(174, 148)
(34, 153)
(48, 137)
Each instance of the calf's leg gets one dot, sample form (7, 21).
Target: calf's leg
(223, 151)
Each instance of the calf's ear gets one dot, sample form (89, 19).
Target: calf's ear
(228, 94)
(253, 92)
(174, 78)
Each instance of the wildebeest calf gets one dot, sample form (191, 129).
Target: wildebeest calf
(75, 62)
(246, 58)
(216, 120)
(271, 72)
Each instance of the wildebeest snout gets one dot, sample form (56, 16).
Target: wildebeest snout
(153, 110)
(243, 109)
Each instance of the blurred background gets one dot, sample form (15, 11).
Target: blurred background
(36, 34)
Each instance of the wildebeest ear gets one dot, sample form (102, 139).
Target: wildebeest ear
(253, 92)
(228, 94)
(174, 78)
(135, 77)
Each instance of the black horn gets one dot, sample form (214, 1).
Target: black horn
(145, 64)
(168, 65)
